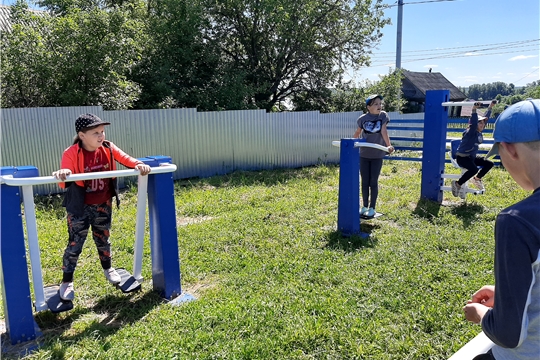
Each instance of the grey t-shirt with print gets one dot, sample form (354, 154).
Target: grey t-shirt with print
(372, 125)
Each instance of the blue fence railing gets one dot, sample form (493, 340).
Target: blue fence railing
(415, 143)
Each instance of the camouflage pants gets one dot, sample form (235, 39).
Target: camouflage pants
(99, 217)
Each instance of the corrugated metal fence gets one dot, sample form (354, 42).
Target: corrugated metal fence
(201, 144)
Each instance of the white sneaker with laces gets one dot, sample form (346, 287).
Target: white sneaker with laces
(66, 291)
(112, 275)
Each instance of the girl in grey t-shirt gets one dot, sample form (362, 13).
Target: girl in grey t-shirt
(372, 128)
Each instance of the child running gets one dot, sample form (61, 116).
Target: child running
(88, 202)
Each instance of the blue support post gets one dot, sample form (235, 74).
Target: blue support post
(349, 189)
(435, 124)
(20, 324)
(163, 231)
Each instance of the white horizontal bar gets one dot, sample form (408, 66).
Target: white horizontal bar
(479, 345)
(465, 103)
(363, 144)
(450, 176)
(39, 180)
(468, 190)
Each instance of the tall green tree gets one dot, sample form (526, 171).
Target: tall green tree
(26, 78)
(78, 57)
(180, 67)
(284, 47)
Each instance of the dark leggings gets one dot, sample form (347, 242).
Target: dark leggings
(370, 169)
(97, 216)
(471, 164)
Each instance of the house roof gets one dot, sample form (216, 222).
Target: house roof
(5, 20)
(415, 85)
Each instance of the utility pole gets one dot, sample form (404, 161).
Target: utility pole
(398, 39)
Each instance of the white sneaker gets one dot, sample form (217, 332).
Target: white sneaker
(478, 183)
(112, 275)
(463, 192)
(371, 212)
(363, 210)
(66, 291)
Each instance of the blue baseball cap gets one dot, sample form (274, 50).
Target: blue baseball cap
(518, 124)
(370, 98)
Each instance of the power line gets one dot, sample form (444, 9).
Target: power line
(452, 55)
(532, 72)
(466, 47)
(420, 2)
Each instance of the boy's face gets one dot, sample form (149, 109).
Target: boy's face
(93, 138)
(514, 158)
(375, 107)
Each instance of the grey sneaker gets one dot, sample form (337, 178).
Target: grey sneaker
(371, 212)
(66, 291)
(456, 188)
(113, 276)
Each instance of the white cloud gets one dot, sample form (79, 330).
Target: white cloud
(522, 57)
(431, 66)
(468, 77)
(472, 54)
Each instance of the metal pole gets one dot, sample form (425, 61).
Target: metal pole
(33, 246)
(139, 227)
(398, 38)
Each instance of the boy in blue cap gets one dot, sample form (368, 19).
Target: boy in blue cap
(510, 312)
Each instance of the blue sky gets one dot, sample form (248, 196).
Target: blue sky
(468, 41)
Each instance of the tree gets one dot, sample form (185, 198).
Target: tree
(180, 68)
(26, 79)
(490, 91)
(76, 58)
(347, 97)
(287, 47)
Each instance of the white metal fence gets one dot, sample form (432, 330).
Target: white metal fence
(201, 144)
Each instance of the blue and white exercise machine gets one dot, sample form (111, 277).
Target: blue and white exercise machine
(157, 187)
(349, 180)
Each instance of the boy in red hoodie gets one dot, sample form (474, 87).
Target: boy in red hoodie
(88, 202)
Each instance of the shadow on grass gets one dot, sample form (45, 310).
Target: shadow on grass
(110, 314)
(467, 212)
(427, 209)
(336, 241)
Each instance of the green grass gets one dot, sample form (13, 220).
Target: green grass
(274, 280)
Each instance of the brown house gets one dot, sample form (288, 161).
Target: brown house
(415, 84)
